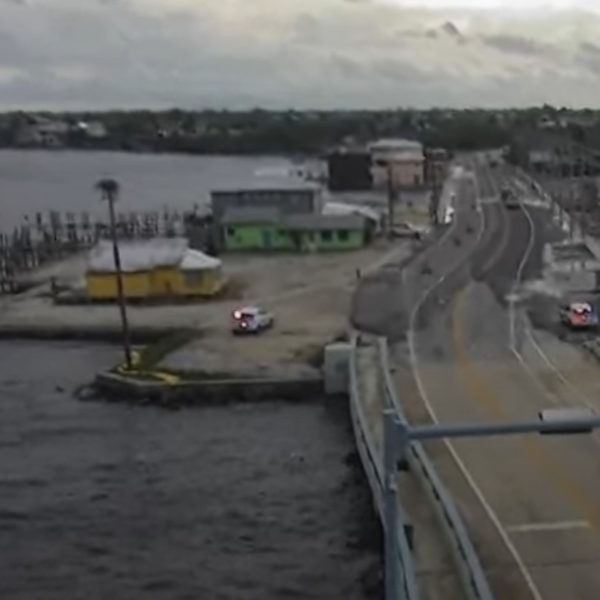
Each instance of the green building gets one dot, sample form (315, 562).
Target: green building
(265, 229)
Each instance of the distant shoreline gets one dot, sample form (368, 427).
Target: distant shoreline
(149, 151)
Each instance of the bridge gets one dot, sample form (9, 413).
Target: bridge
(467, 336)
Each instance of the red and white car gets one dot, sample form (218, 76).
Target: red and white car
(251, 319)
(579, 315)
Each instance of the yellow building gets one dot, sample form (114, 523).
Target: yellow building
(158, 268)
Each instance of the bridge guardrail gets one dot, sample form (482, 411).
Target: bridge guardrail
(374, 472)
(472, 574)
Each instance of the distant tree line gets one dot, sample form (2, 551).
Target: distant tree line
(290, 132)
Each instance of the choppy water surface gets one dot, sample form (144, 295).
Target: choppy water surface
(110, 501)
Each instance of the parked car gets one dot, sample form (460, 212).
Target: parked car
(405, 230)
(251, 319)
(579, 315)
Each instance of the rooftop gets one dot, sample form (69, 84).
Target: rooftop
(260, 184)
(249, 215)
(144, 255)
(323, 222)
(396, 144)
(335, 219)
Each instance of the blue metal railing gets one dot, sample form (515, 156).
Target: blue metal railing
(473, 577)
(403, 565)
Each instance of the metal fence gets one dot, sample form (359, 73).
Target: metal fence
(473, 577)
(47, 237)
(403, 562)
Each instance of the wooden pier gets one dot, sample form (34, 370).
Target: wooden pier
(54, 236)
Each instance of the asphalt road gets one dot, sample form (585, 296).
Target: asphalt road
(532, 503)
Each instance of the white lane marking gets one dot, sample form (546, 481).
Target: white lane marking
(550, 526)
(535, 343)
(552, 366)
(491, 514)
(517, 282)
(512, 314)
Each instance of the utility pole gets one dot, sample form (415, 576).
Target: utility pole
(109, 188)
(569, 196)
(435, 191)
(553, 196)
(391, 198)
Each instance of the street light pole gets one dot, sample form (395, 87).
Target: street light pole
(398, 435)
(109, 189)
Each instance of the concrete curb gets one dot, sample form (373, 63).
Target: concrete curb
(211, 391)
(91, 334)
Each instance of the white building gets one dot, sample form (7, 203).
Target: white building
(400, 159)
(38, 130)
(93, 129)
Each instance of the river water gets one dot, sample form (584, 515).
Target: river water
(102, 500)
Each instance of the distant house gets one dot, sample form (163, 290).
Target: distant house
(547, 122)
(248, 228)
(542, 160)
(288, 197)
(267, 229)
(35, 130)
(399, 160)
(92, 129)
(157, 268)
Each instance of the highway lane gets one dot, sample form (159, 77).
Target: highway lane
(541, 495)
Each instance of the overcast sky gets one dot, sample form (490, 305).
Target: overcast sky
(298, 53)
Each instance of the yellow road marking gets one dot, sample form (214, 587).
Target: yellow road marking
(480, 390)
(499, 251)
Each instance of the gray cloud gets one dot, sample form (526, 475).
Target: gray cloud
(451, 29)
(347, 67)
(514, 44)
(307, 29)
(322, 53)
(589, 57)
(589, 48)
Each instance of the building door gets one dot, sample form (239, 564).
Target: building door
(267, 238)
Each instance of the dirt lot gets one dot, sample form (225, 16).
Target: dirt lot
(310, 295)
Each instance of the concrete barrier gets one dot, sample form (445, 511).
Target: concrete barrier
(202, 392)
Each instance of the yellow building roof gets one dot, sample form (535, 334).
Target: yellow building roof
(145, 255)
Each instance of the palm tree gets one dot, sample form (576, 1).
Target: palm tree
(109, 190)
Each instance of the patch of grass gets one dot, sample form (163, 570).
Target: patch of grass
(152, 354)
(314, 354)
(311, 354)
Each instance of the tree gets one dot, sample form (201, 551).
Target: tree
(109, 190)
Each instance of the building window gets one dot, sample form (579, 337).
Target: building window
(343, 235)
(326, 236)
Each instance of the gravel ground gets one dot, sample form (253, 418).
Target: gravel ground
(309, 294)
